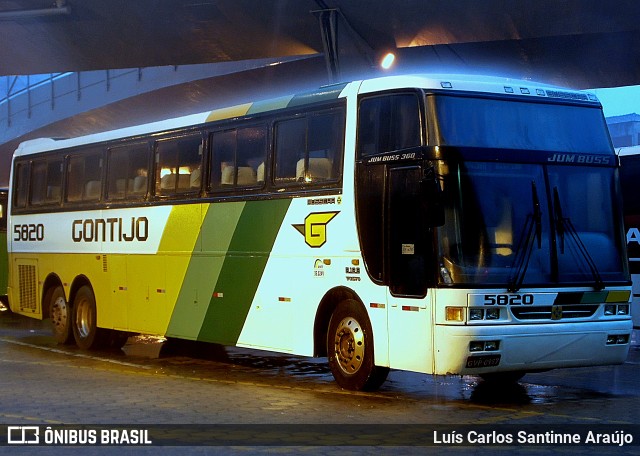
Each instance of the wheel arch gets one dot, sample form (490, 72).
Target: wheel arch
(50, 283)
(328, 304)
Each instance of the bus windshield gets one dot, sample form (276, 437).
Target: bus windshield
(509, 124)
(519, 225)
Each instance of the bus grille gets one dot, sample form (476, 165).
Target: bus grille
(28, 287)
(547, 312)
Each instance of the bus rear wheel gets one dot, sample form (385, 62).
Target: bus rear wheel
(350, 349)
(60, 314)
(85, 330)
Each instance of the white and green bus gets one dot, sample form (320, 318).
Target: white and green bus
(443, 225)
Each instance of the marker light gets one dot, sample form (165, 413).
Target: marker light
(455, 313)
(387, 60)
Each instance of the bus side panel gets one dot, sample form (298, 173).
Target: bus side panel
(4, 264)
(228, 287)
(156, 280)
(218, 224)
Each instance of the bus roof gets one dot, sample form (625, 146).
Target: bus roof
(448, 82)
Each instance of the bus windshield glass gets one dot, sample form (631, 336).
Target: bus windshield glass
(508, 124)
(515, 225)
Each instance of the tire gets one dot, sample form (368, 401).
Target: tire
(350, 349)
(85, 330)
(60, 314)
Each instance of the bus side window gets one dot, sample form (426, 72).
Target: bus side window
(325, 140)
(127, 172)
(238, 158)
(309, 149)
(84, 177)
(388, 123)
(178, 164)
(46, 178)
(21, 185)
(291, 138)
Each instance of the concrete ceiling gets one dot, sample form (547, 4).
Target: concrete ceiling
(580, 43)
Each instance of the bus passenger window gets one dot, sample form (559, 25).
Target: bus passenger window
(46, 178)
(291, 138)
(309, 149)
(127, 172)
(84, 177)
(237, 158)
(21, 185)
(177, 159)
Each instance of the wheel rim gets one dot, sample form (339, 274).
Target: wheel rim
(83, 318)
(59, 315)
(349, 345)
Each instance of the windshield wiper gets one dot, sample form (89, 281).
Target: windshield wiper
(565, 225)
(532, 230)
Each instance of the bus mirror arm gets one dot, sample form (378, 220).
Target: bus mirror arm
(432, 201)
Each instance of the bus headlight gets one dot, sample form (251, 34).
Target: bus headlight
(476, 314)
(493, 314)
(623, 309)
(609, 309)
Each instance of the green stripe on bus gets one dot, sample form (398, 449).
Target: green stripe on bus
(242, 270)
(217, 228)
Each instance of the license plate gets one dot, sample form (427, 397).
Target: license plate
(483, 361)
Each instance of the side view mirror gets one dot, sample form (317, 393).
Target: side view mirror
(431, 194)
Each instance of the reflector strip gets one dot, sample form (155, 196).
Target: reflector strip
(218, 295)
(283, 299)
(592, 297)
(376, 305)
(411, 308)
(619, 296)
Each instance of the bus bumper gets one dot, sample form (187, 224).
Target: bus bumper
(473, 350)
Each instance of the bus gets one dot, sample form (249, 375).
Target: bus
(629, 175)
(4, 262)
(436, 224)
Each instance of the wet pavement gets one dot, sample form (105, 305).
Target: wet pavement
(208, 392)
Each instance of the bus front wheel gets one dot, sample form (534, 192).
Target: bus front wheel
(85, 329)
(350, 349)
(60, 314)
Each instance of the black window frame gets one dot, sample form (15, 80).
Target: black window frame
(132, 195)
(214, 175)
(337, 163)
(93, 193)
(178, 191)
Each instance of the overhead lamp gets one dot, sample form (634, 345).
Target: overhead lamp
(387, 60)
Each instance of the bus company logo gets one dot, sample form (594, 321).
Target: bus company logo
(110, 230)
(314, 228)
(556, 312)
(23, 435)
